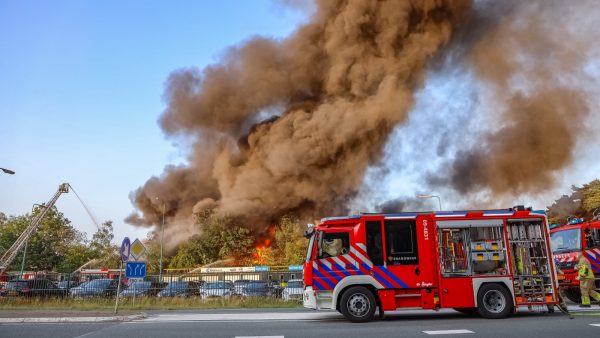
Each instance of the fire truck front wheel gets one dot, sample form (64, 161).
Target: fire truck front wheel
(358, 304)
(494, 301)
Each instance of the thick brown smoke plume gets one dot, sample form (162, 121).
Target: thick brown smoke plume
(337, 87)
(532, 63)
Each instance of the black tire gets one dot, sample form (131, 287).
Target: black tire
(358, 304)
(573, 295)
(469, 311)
(494, 301)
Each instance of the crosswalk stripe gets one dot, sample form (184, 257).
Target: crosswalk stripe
(598, 325)
(447, 332)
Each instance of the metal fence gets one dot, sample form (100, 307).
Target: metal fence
(225, 285)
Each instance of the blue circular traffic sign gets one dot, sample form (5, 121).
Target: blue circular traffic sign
(125, 249)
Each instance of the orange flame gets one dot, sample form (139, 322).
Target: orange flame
(262, 244)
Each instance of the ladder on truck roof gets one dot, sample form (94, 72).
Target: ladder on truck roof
(444, 212)
(11, 253)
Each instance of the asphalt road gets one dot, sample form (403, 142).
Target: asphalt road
(303, 323)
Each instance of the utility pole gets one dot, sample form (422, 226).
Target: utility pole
(162, 236)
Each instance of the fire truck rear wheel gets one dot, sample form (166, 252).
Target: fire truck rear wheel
(358, 304)
(494, 301)
(573, 295)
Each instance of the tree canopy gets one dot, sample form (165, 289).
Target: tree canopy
(56, 245)
(581, 202)
(220, 238)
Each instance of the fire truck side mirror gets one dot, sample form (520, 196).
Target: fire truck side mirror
(309, 232)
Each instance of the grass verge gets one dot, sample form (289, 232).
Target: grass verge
(144, 303)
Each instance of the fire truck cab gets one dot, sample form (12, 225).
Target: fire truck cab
(489, 262)
(568, 242)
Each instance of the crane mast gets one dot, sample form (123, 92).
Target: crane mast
(10, 254)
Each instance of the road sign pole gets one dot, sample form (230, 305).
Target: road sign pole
(119, 288)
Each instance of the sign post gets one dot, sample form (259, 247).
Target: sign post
(124, 253)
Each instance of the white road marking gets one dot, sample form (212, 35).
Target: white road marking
(259, 337)
(598, 325)
(87, 334)
(448, 332)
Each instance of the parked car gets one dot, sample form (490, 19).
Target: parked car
(238, 286)
(67, 284)
(32, 288)
(180, 289)
(142, 288)
(256, 289)
(102, 287)
(293, 290)
(222, 288)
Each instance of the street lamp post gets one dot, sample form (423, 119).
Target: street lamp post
(432, 196)
(7, 171)
(162, 236)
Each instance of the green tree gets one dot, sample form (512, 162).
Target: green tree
(581, 202)
(77, 255)
(48, 248)
(290, 241)
(289, 245)
(591, 196)
(152, 244)
(186, 257)
(221, 238)
(102, 247)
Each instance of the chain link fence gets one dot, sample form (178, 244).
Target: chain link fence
(225, 285)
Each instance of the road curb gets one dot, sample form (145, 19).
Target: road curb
(73, 319)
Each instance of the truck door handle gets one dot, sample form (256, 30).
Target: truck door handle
(417, 271)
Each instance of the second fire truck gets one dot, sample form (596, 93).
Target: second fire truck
(568, 242)
(489, 262)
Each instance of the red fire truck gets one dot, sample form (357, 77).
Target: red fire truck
(484, 261)
(568, 242)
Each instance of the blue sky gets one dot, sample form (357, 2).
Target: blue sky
(81, 86)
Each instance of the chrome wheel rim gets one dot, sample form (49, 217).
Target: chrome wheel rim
(358, 305)
(494, 301)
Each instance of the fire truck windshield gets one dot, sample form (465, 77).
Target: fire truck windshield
(566, 240)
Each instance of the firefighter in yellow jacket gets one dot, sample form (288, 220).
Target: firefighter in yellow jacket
(586, 281)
